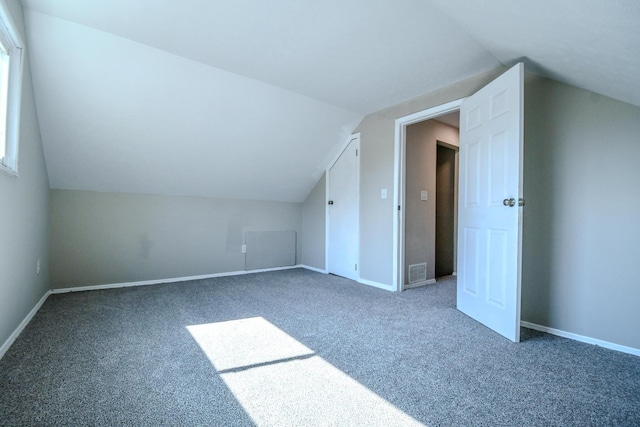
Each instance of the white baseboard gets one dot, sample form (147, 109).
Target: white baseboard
(23, 325)
(170, 280)
(582, 338)
(419, 284)
(362, 281)
(317, 270)
(376, 284)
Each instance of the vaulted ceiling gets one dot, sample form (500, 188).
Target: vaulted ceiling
(252, 98)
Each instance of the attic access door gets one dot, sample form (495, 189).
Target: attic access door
(490, 218)
(343, 207)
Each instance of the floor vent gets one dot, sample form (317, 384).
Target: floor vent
(417, 272)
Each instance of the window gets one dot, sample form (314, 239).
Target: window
(11, 48)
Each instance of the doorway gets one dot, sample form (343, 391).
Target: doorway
(402, 125)
(489, 262)
(446, 209)
(429, 214)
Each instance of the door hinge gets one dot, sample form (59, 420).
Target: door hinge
(398, 207)
(356, 267)
(356, 152)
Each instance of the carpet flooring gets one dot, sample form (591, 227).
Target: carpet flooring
(296, 347)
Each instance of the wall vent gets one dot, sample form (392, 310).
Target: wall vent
(269, 249)
(418, 272)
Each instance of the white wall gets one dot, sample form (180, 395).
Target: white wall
(24, 215)
(103, 238)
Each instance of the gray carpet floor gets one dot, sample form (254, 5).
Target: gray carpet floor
(313, 350)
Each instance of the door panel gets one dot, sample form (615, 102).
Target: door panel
(471, 189)
(343, 213)
(469, 262)
(491, 142)
(497, 283)
(498, 165)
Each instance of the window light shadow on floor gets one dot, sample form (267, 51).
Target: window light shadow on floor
(279, 381)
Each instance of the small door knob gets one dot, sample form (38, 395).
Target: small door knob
(509, 202)
(521, 202)
(330, 202)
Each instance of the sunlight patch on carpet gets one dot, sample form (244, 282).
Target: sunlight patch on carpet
(280, 381)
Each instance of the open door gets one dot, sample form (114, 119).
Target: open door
(490, 192)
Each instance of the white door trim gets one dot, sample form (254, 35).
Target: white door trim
(398, 182)
(353, 137)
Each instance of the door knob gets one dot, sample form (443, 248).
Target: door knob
(509, 202)
(330, 202)
(521, 202)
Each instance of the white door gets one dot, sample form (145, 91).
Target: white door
(343, 212)
(490, 219)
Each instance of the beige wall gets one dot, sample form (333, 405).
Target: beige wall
(312, 239)
(103, 238)
(420, 171)
(24, 214)
(581, 269)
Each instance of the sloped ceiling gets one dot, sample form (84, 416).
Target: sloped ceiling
(251, 99)
(592, 44)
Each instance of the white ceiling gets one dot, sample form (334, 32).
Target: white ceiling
(251, 98)
(592, 44)
(451, 119)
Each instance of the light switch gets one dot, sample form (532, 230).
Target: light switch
(383, 193)
(424, 196)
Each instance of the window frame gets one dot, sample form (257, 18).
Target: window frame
(15, 47)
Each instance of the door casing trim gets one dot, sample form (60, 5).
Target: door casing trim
(399, 166)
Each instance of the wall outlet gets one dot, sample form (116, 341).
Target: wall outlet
(244, 249)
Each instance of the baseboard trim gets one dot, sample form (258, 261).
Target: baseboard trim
(23, 325)
(419, 284)
(581, 338)
(170, 280)
(376, 284)
(317, 270)
(7, 344)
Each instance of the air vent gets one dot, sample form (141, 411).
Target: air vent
(418, 273)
